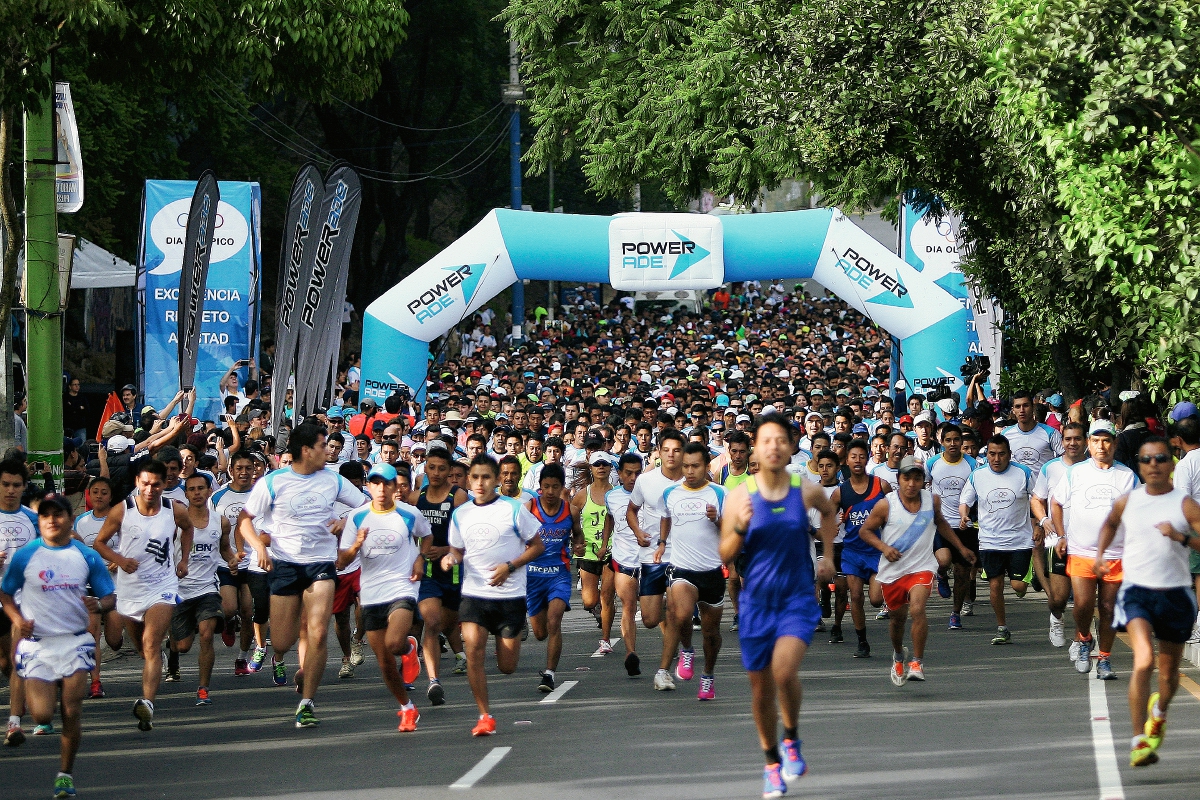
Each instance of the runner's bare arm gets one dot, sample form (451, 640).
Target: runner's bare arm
(735, 522)
(869, 532)
(1188, 538)
(943, 527)
(246, 531)
(1108, 532)
(110, 528)
(186, 533)
(814, 497)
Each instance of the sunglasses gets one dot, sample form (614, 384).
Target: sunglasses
(1157, 458)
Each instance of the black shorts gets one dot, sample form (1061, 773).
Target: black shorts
(375, 618)
(653, 580)
(1170, 612)
(503, 618)
(5, 625)
(621, 569)
(593, 566)
(710, 584)
(289, 579)
(227, 578)
(260, 596)
(837, 555)
(1058, 564)
(1013, 563)
(185, 621)
(970, 540)
(441, 588)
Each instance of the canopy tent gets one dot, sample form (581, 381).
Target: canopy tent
(96, 268)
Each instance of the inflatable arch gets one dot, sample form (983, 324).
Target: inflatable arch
(644, 251)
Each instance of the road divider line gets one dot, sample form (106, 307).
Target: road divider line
(1107, 771)
(559, 692)
(482, 768)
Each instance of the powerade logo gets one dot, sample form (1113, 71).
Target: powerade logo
(295, 257)
(193, 319)
(654, 255)
(865, 274)
(329, 231)
(437, 298)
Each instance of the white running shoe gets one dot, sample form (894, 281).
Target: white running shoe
(1073, 651)
(663, 681)
(967, 610)
(356, 653)
(1195, 637)
(604, 649)
(1056, 631)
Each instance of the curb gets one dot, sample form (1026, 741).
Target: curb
(1191, 652)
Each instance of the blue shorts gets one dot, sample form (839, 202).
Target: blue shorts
(759, 629)
(447, 591)
(859, 563)
(289, 579)
(653, 582)
(541, 588)
(1170, 612)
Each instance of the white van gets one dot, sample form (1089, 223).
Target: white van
(689, 300)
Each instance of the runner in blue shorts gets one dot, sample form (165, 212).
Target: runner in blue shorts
(766, 522)
(548, 577)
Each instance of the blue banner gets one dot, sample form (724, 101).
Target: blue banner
(230, 328)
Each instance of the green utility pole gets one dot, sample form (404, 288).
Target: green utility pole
(43, 337)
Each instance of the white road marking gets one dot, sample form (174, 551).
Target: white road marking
(482, 768)
(559, 692)
(1107, 772)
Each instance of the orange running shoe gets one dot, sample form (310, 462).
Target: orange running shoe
(408, 719)
(410, 667)
(485, 727)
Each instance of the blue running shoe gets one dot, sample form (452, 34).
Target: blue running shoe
(278, 673)
(773, 783)
(793, 766)
(955, 622)
(943, 586)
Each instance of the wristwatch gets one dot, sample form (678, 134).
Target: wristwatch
(510, 566)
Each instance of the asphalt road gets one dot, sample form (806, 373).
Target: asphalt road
(1011, 722)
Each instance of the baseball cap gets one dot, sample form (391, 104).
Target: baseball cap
(910, 464)
(368, 403)
(906, 418)
(1102, 426)
(385, 471)
(1056, 400)
(379, 425)
(1183, 410)
(742, 418)
(55, 502)
(334, 413)
(119, 444)
(599, 458)
(924, 416)
(859, 428)
(812, 414)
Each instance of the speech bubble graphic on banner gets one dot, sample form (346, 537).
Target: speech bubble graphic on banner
(170, 223)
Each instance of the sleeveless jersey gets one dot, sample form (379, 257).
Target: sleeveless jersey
(150, 541)
(591, 520)
(779, 554)
(855, 510)
(438, 517)
(910, 533)
(555, 530)
(203, 560)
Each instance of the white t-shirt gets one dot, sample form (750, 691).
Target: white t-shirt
(911, 534)
(1187, 474)
(1034, 448)
(57, 579)
(229, 504)
(1047, 478)
(694, 538)
(88, 527)
(490, 535)
(388, 553)
(1088, 492)
(17, 529)
(300, 509)
(1003, 500)
(647, 495)
(814, 516)
(625, 547)
(203, 561)
(1151, 559)
(946, 481)
(885, 473)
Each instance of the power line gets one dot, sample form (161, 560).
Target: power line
(398, 126)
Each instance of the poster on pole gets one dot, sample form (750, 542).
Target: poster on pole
(295, 261)
(229, 322)
(321, 306)
(69, 176)
(193, 277)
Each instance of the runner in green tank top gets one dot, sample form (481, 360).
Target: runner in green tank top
(598, 586)
(732, 475)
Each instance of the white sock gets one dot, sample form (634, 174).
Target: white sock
(307, 702)
(550, 672)
(1158, 713)
(63, 775)
(149, 703)
(14, 720)
(407, 706)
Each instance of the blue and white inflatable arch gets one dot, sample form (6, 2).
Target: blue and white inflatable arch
(648, 252)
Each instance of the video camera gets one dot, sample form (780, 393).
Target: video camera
(975, 366)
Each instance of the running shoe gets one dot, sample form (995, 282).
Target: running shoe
(97, 691)
(356, 652)
(773, 783)
(278, 672)
(227, 635)
(968, 610)
(408, 719)
(241, 667)
(883, 614)
(145, 715)
(547, 683)
(955, 623)
(347, 670)
(15, 736)
(1073, 650)
(1104, 670)
(435, 693)
(1195, 637)
(633, 665)
(443, 643)
(793, 765)
(943, 585)
(916, 671)
(899, 670)
(258, 659)
(410, 666)
(1142, 754)
(604, 649)
(1056, 631)
(683, 669)
(1003, 636)
(733, 626)
(460, 663)
(835, 635)
(864, 649)
(663, 682)
(306, 716)
(202, 698)
(1156, 727)
(64, 786)
(707, 690)
(820, 626)
(486, 726)
(1083, 658)
(172, 676)
(43, 730)
(695, 622)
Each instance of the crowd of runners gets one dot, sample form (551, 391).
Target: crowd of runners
(766, 485)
